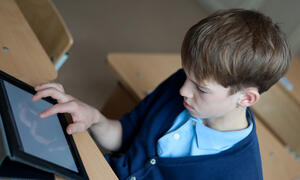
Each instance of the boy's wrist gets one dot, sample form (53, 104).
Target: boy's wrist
(99, 118)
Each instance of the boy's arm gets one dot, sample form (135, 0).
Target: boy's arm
(106, 132)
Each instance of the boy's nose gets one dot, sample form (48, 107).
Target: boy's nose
(186, 90)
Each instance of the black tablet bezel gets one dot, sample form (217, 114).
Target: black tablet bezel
(14, 141)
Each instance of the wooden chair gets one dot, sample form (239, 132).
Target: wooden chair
(49, 28)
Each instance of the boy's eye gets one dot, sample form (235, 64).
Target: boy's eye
(200, 90)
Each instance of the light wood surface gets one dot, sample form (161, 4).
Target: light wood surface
(94, 162)
(277, 163)
(23, 48)
(137, 72)
(143, 72)
(293, 77)
(26, 60)
(48, 25)
(282, 115)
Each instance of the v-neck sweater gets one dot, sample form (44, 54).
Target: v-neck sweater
(151, 119)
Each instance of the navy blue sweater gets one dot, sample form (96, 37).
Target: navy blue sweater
(151, 119)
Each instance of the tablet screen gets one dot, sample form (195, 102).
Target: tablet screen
(43, 138)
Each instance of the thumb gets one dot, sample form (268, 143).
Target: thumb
(76, 127)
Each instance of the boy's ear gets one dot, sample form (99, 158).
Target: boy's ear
(249, 97)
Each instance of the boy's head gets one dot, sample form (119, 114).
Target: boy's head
(238, 49)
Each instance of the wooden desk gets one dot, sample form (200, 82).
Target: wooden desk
(139, 73)
(22, 56)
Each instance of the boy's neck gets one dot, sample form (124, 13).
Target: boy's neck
(233, 121)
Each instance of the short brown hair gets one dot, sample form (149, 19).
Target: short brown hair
(237, 48)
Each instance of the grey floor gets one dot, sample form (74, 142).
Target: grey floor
(100, 27)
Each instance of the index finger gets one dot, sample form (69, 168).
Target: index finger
(68, 107)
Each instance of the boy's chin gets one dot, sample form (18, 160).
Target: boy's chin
(197, 115)
(194, 114)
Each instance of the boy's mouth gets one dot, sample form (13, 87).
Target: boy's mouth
(187, 106)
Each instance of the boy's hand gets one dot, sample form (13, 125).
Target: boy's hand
(83, 115)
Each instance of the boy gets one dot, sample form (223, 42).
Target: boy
(197, 124)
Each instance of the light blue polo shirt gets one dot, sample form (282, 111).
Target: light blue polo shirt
(190, 137)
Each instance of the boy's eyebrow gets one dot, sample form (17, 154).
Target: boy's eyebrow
(202, 87)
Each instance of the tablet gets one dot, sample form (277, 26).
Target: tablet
(40, 143)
